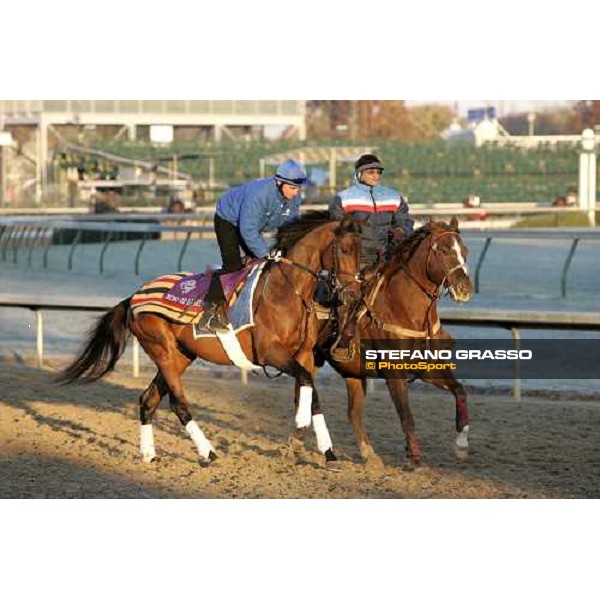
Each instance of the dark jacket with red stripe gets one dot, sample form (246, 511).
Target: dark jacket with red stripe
(382, 209)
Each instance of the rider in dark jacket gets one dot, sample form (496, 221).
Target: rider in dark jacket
(384, 214)
(381, 209)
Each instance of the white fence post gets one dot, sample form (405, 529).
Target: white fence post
(136, 357)
(516, 335)
(587, 175)
(39, 320)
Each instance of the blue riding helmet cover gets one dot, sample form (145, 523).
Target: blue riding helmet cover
(292, 172)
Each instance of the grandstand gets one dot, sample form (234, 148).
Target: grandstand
(424, 172)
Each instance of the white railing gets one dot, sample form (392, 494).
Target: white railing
(512, 320)
(28, 232)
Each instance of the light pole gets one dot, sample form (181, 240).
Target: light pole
(531, 122)
(587, 175)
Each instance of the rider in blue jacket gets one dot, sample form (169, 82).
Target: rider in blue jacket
(384, 215)
(242, 215)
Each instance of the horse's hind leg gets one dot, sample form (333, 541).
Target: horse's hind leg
(447, 381)
(149, 401)
(357, 392)
(399, 392)
(159, 342)
(172, 372)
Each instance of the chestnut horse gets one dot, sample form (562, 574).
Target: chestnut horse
(400, 302)
(284, 334)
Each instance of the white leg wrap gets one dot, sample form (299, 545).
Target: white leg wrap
(304, 412)
(323, 438)
(147, 443)
(462, 439)
(202, 444)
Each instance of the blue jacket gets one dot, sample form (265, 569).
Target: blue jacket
(254, 207)
(382, 209)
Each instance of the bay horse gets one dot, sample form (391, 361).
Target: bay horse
(283, 337)
(400, 302)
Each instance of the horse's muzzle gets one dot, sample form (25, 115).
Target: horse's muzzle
(460, 287)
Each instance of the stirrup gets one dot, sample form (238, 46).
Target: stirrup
(342, 354)
(212, 319)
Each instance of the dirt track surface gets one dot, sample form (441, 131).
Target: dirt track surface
(81, 441)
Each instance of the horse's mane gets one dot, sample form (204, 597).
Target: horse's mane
(288, 235)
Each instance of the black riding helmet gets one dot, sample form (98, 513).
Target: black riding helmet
(367, 161)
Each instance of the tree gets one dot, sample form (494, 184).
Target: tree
(588, 114)
(429, 121)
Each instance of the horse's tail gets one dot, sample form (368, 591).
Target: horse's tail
(106, 344)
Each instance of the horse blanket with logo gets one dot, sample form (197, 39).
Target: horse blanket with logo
(180, 296)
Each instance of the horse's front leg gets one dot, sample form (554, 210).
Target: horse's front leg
(445, 380)
(398, 389)
(357, 391)
(307, 410)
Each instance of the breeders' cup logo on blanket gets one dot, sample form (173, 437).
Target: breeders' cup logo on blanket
(188, 286)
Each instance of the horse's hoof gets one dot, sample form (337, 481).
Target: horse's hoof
(299, 451)
(330, 456)
(412, 463)
(205, 462)
(149, 458)
(374, 464)
(332, 463)
(410, 467)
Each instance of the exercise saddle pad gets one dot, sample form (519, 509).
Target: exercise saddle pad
(180, 296)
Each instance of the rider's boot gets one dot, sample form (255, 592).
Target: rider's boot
(214, 317)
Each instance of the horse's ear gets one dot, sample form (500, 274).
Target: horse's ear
(351, 225)
(359, 224)
(454, 223)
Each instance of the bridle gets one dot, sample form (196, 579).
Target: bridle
(339, 287)
(437, 292)
(333, 276)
